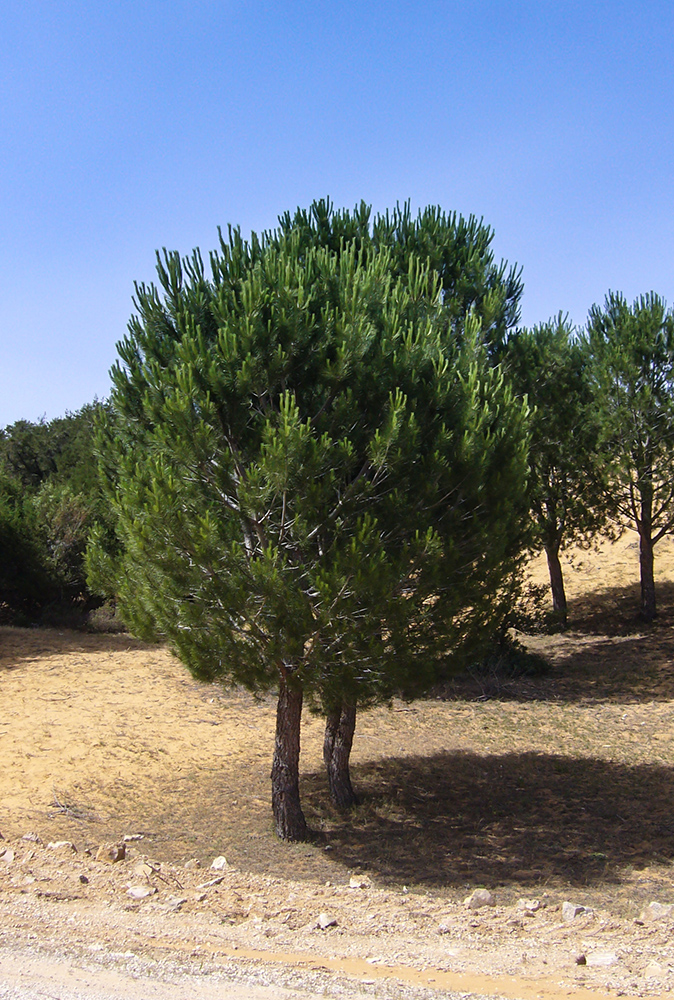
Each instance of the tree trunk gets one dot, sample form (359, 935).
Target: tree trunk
(645, 526)
(648, 608)
(556, 582)
(339, 729)
(285, 772)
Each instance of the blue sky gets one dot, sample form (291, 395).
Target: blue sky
(129, 126)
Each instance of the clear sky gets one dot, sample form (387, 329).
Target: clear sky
(130, 126)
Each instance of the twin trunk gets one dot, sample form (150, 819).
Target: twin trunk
(340, 725)
(285, 788)
(285, 771)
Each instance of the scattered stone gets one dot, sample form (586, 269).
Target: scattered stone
(212, 881)
(192, 863)
(478, 898)
(62, 845)
(444, 929)
(581, 960)
(572, 910)
(219, 863)
(654, 970)
(141, 891)
(199, 897)
(7, 855)
(144, 868)
(29, 855)
(175, 903)
(325, 920)
(602, 959)
(129, 838)
(84, 880)
(529, 906)
(359, 882)
(657, 911)
(111, 853)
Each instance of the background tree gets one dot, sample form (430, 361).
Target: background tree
(50, 498)
(632, 350)
(567, 485)
(318, 486)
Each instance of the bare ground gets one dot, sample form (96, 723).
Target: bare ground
(557, 788)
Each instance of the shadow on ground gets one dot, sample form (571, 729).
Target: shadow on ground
(20, 644)
(607, 654)
(616, 610)
(524, 818)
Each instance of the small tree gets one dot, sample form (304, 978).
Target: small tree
(318, 484)
(566, 488)
(633, 368)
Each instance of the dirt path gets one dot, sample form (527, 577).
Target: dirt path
(201, 934)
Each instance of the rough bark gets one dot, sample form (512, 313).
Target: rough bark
(648, 606)
(559, 605)
(285, 787)
(645, 526)
(340, 725)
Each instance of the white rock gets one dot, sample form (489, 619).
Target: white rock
(325, 920)
(654, 970)
(143, 869)
(602, 959)
(657, 911)
(7, 855)
(32, 837)
(478, 898)
(62, 845)
(359, 882)
(529, 905)
(219, 863)
(572, 910)
(192, 863)
(212, 881)
(141, 891)
(128, 838)
(175, 903)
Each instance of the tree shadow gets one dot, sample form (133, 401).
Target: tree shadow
(607, 654)
(17, 645)
(616, 610)
(521, 818)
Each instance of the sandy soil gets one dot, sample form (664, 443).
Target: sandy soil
(546, 790)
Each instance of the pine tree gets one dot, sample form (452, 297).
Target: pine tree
(318, 482)
(567, 486)
(632, 349)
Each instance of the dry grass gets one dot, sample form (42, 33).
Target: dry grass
(563, 782)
